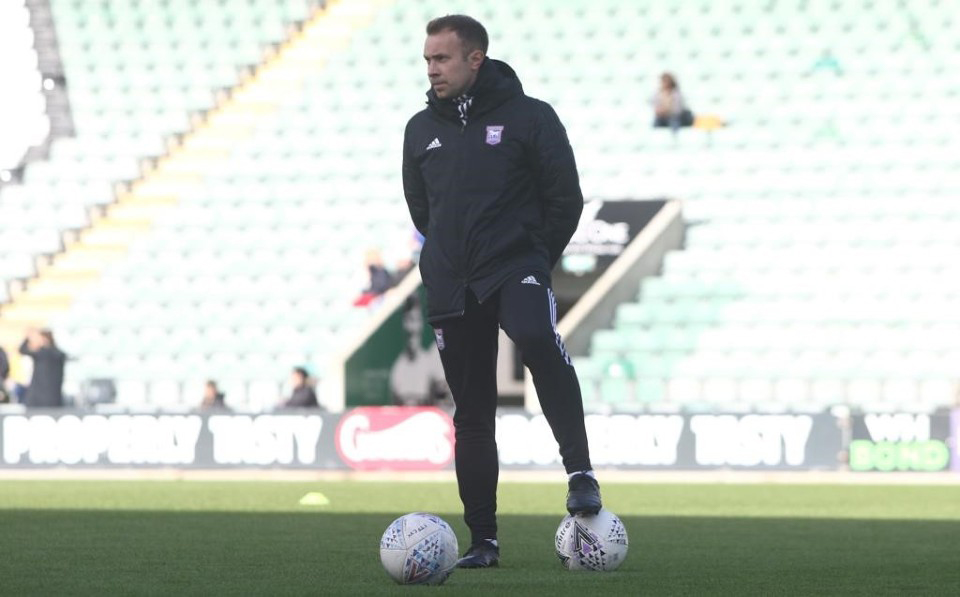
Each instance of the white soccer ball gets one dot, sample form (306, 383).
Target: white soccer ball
(597, 542)
(419, 549)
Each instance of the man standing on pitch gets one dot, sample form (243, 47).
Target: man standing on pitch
(491, 182)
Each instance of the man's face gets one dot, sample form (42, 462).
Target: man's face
(450, 72)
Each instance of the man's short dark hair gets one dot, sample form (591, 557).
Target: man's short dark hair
(48, 336)
(301, 372)
(471, 33)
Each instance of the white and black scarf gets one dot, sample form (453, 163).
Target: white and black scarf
(463, 106)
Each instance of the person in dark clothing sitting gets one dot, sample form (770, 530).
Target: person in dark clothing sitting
(212, 397)
(303, 395)
(669, 106)
(380, 279)
(46, 384)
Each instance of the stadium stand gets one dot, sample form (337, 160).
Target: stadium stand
(140, 75)
(819, 264)
(820, 259)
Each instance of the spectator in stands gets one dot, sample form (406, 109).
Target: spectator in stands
(4, 374)
(212, 397)
(380, 279)
(46, 384)
(669, 108)
(303, 395)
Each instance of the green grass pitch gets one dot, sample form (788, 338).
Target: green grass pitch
(253, 538)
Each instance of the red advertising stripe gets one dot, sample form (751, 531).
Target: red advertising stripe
(395, 438)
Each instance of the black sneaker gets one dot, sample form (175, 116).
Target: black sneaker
(480, 555)
(583, 496)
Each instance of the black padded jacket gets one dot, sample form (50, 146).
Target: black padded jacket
(493, 197)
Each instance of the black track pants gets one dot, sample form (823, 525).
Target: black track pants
(526, 310)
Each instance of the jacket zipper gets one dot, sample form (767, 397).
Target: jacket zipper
(462, 266)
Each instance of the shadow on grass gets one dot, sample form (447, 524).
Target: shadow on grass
(64, 552)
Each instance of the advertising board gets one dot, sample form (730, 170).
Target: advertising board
(714, 441)
(81, 439)
(885, 442)
(422, 439)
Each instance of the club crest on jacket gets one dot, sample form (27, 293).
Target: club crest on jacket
(494, 134)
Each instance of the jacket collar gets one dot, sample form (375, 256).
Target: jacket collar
(496, 83)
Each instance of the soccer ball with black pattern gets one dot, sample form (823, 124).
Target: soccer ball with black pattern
(419, 549)
(593, 542)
